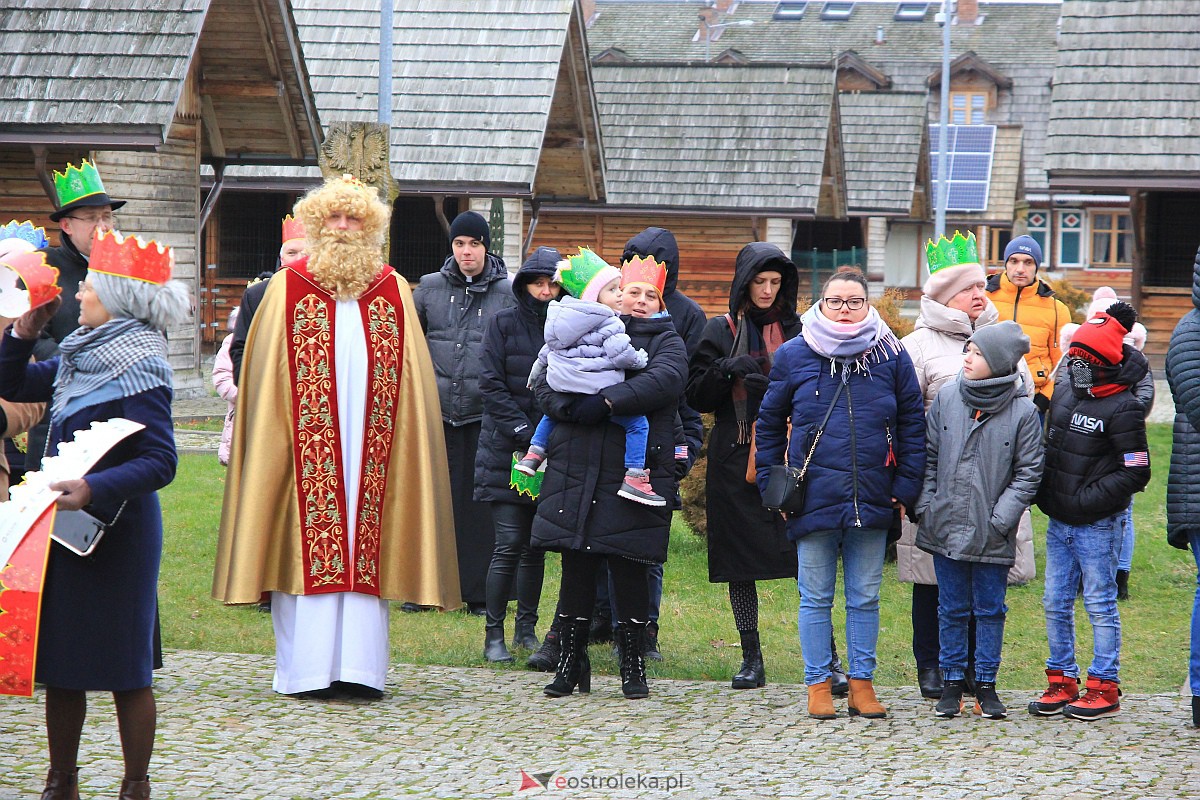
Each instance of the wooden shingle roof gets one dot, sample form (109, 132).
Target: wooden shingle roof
(883, 135)
(1017, 38)
(1125, 108)
(97, 73)
(673, 138)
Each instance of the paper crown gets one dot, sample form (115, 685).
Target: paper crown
(577, 271)
(25, 231)
(644, 269)
(951, 252)
(41, 283)
(114, 254)
(77, 183)
(292, 228)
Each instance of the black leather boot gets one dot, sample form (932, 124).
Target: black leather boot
(61, 784)
(1122, 584)
(929, 681)
(631, 635)
(841, 685)
(574, 668)
(1196, 711)
(493, 645)
(545, 659)
(524, 636)
(753, 674)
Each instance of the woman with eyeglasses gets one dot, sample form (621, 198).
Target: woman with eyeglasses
(866, 462)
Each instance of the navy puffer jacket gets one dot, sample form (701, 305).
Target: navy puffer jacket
(1183, 374)
(850, 480)
(511, 343)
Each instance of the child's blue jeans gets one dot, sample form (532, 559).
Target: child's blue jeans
(637, 431)
(966, 587)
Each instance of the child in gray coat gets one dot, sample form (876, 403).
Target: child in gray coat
(587, 350)
(982, 470)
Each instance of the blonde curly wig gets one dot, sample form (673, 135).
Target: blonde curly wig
(344, 262)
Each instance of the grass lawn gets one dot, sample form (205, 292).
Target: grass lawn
(698, 637)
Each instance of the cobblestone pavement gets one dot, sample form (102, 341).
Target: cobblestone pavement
(446, 732)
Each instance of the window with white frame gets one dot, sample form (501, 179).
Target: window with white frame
(1112, 240)
(1038, 223)
(1070, 237)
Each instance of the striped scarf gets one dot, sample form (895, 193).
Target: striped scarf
(120, 358)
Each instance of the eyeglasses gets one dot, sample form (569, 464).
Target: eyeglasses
(852, 303)
(108, 219)
(83, 287)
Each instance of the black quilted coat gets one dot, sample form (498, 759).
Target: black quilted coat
(1183, 374)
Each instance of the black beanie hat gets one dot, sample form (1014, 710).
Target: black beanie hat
(469, 223)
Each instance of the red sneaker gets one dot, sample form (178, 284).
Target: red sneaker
(1100, 700)
(1062, 690)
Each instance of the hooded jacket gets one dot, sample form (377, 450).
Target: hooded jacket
(1183, 375)
(689, 318)
(510, 413)
(1096, 452)
(745, 540)
(453, 313)
(586, 348)
(1041, 315)
(936, 347)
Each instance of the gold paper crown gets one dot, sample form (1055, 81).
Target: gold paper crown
(644, 269)
(292, 228)
(114, 254)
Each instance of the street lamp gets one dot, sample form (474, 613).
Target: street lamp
(709, 28)
(943, 18)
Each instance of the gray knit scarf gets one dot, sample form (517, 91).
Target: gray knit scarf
(118, 359)
(989, 395)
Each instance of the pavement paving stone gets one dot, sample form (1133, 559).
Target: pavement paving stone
(460, 732)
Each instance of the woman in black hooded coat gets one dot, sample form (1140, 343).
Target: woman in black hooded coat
(510, 346)
(728, 376)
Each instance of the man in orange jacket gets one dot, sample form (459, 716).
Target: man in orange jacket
(1021, 296)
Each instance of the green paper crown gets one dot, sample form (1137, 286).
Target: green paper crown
(77, 183)
(528, 485)
(576, 272)
(951, 252)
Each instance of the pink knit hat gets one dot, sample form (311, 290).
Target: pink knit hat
(949, 281)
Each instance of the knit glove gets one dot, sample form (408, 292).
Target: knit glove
(591, 410)
(756, 384)
(741, 366)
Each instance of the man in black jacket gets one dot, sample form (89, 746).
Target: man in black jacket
(1096, 459)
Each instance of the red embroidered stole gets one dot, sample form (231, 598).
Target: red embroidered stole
(320, 475)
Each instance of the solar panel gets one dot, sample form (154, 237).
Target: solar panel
(794, 10)
(837, 11)
(970, 150)
(911, 12)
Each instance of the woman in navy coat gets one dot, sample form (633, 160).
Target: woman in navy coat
(868, 463)
(98, 613)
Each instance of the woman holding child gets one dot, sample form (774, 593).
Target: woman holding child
(584, 510)
(867, 463)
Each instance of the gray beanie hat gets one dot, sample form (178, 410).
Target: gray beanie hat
(1003, 345)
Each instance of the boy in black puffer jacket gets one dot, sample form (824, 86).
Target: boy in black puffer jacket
(1096, 459)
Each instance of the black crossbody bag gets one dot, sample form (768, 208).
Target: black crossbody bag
(786, 485)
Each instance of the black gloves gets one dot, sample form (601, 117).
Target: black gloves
(1042, 402)
(741, 366)
(756, 384)
(591, 410)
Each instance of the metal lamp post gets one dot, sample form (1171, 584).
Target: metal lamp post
(943, 19)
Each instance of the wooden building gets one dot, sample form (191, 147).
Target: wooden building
(149, 94)
(492, 110)
(1125, 119)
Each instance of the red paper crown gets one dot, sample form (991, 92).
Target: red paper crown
(292, 228)
(41, 281)
(113, 254)
(644, 269)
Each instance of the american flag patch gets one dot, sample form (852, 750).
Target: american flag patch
(1141, 459)
(681, 452)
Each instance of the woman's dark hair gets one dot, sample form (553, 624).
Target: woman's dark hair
(851, 274)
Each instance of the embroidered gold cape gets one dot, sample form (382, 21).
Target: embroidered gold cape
(267, 517)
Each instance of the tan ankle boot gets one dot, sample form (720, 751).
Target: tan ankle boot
(820, 700)
(61, 784)
(862, 701)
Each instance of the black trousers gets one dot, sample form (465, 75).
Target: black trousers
(514, 562)
(926, 646)
(577, 594)
(473, 532)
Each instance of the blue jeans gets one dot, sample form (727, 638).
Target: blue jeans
(862, 551)
(1090, 552)
(966, 587)
(1125, 550)
(637, 431)
(1194, 660)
